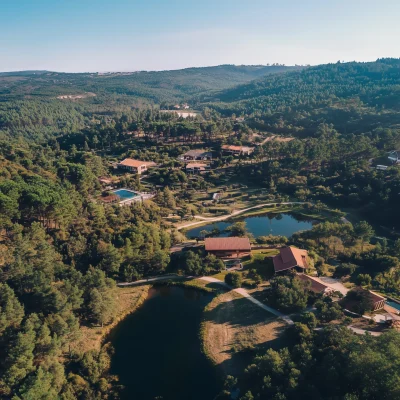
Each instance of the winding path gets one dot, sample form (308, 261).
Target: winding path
(234, 214)
(247, 295)
(241, 291)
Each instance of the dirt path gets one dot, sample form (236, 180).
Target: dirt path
(359, 331)
(231, 325)
(248, 296)
(224, 217)
(151, 280)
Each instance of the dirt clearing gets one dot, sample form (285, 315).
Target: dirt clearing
(234, 328)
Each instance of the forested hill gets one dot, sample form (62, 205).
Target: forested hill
(30, 106)
(345, 94)
(155, 86)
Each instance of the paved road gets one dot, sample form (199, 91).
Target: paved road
(248, 296)
(223, 217)
(363, 331)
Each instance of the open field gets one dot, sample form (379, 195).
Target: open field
(233, 328)
(92, 337)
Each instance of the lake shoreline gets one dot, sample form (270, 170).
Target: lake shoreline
(172, 312)
(286, 223)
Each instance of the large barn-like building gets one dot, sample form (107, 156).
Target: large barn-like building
(229, 247)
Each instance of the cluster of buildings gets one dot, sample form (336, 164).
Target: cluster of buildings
(183, 106)
(291, 259)
(197, 161)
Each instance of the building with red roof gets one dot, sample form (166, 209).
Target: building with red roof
(315, 284)
(237, 150)
(229, 247)
(289, 258)
(135, 166)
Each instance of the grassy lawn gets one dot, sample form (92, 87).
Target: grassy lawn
(257, 262)
(199, 284)
(261, 262)
(220, 275)
(234, 329)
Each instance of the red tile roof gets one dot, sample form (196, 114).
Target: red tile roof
(317, 285)
(130, 162)
(290, 257)
(375, 297)
(229, 243)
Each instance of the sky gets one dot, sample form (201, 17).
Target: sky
(132, 35)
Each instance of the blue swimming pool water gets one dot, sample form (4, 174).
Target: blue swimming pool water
(393, 304)
(125, 194)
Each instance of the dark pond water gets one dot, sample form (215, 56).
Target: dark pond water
(158, 351)
(269, 224)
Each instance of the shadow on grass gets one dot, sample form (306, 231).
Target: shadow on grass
(254, 331)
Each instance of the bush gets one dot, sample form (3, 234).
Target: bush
(327, 310)
(309, 319)
(288, 294)
(233, 279)
(364, 280)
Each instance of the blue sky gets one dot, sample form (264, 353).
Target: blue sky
(130, 35)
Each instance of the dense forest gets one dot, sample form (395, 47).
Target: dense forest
(354, 97)
(30, 105)
(62, 249)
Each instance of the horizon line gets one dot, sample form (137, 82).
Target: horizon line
(185, 68)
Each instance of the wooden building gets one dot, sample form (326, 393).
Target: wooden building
(230, 247)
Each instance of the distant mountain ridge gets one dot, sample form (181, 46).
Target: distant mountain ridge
(344, 79)
(155, 86)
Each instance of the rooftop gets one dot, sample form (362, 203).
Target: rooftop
(229, 243)
(236, 148)
(290, 257)
(375, 296)
(196, 165)
(130, 162)
(317, 285)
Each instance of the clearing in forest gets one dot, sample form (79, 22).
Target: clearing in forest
(234, 328)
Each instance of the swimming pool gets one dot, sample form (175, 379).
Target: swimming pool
(125, 194)
(393, 304)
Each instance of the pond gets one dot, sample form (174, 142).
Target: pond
(158, 349)
(270, 224)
